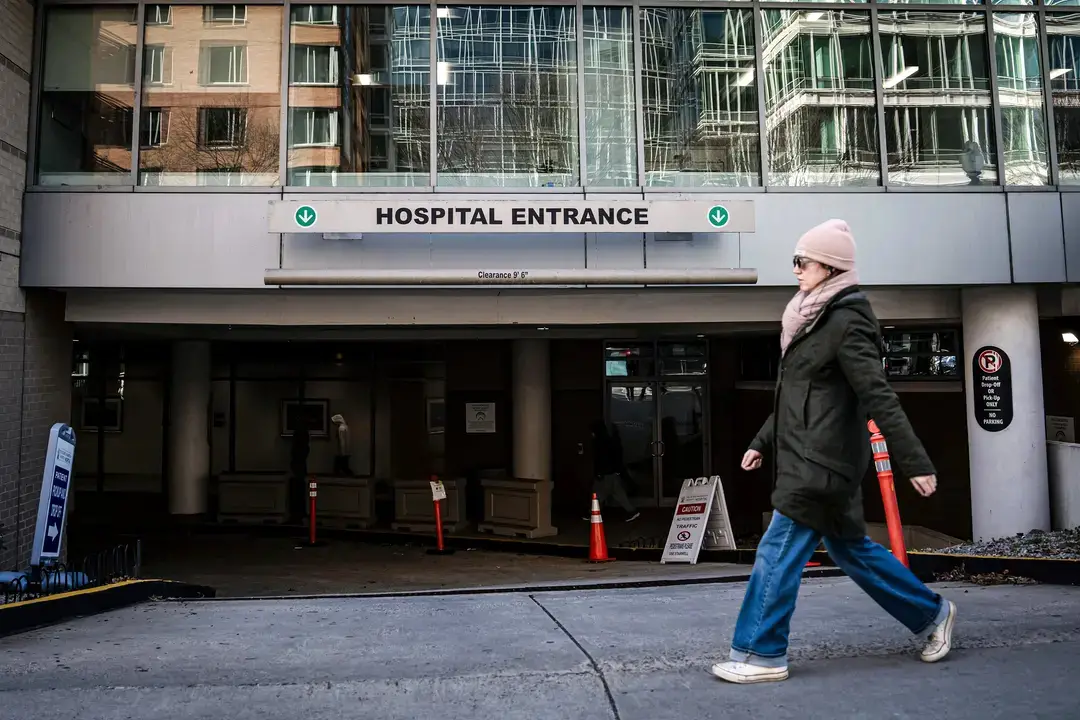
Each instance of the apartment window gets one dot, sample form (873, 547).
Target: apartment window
(154, 128)
(224, 65)
(212, 96)
(313, 127)
(159, 15)
(225, 14)
(155, 60)
(314, 15)
(222, 127)
(314, 65)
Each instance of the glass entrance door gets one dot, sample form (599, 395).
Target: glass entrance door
(657, 401)
(631, 411)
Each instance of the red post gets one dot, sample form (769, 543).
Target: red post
(313, 493)
(438, 526)
(888, 493)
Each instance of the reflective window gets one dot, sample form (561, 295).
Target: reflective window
(359, 95)
(1020, 94)
(507, 102)
(211, 100)
(1063, 34)
(610, 117)
(938, 120)
(820, 109)
(87, 95)
(921, 354)
(699, 98)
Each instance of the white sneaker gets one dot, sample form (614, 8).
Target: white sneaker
(939, 643)
(746, 674)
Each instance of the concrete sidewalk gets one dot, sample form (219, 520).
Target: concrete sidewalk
(626, 654)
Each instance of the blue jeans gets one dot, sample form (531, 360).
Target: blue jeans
(761, 632)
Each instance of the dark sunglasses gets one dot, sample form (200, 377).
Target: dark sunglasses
(801, 262)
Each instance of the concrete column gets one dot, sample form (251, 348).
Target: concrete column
(189, 445)
(532, 409)
(1009, 487)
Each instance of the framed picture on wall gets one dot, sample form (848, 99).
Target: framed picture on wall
(315, 412)
(97, 418)
(436, 416)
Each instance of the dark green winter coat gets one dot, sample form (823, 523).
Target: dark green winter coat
(831, 382)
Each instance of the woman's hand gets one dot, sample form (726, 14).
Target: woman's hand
(925, 485)
(751, 460)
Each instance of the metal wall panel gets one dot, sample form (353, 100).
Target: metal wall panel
(220, 240)
(1038, 248)
(1070, 221)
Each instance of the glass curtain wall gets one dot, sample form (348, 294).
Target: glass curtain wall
(699, 98)
(1063, 37)
(359, 95)
(939, 125)
(820, 107)
(211, 96)
(87, 96)
(507, 104)
(535, 96)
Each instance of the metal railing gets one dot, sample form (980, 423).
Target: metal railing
(106, 567)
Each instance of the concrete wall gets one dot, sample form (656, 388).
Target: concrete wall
(35, 343)
(139, 239)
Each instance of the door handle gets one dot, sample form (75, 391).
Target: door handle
(662, 448)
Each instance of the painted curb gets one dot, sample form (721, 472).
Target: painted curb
(531, 588)
(29, 614)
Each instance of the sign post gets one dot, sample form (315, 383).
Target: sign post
(52, 506)
(438, 494)
(701, 519)
(992, 373)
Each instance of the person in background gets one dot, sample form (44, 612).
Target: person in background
(831, 377)
(341, 459)
(608, 469)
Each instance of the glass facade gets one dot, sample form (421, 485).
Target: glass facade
(561, 95)
(359, 91)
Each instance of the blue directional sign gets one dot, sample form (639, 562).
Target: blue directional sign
(55, 490)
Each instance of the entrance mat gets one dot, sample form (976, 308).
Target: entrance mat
(29, 614)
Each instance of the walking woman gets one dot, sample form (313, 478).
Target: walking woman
(831, 381)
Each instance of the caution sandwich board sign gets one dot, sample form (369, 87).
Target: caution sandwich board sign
(701, 520)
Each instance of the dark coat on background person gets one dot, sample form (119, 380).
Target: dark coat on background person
(607, 451)
(831, 382)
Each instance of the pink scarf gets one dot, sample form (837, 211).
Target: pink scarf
(805, 306)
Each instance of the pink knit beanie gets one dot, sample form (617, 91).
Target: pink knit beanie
(830, 243)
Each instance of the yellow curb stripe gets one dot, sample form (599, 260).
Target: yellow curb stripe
(76, 593)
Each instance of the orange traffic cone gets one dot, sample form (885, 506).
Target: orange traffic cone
(597, 543)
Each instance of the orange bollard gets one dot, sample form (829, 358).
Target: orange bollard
(440, 546)
(313, 493)
(597, 544)
(888, 493)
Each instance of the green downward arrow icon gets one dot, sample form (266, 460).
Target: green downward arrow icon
(305, 216)
(718, 216)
